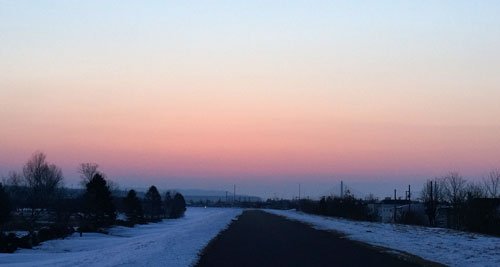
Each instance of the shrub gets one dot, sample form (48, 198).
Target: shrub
(8, 243)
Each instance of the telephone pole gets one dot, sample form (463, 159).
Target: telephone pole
(432, 204)
(394, 215)
(409, 198)
(299, 191)
(341, 189)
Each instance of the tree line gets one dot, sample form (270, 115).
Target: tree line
(35, 200)
(473, 205)
(465, 205)
(347, 207)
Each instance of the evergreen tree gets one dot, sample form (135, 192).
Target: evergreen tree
(167, 204)
(178, 206)
(153, 202)
(133, 206)
(5, 207)
(99, 202)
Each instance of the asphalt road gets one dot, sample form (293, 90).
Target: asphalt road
(261, 239)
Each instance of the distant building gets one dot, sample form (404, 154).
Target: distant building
(384, 210)
(417, 210)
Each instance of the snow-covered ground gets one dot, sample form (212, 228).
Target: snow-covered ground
(445, 246)
(168, 243)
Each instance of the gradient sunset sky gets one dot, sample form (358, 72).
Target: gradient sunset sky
(262, 94)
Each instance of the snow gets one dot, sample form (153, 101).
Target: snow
(18, 233)
(168, 243)
(121, 216)
(445, 246)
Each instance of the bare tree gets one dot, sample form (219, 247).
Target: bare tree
(492, 183)
(454, 188)
(436, 193)
(14, 179)
(87, 171)
(475, 190)
(432, 194)
(14, 185)
(42, 182)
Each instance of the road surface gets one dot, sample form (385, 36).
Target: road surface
(261, 239)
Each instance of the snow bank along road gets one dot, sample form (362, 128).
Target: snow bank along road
(444, 246)
(168, 243)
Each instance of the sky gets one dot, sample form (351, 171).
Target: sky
(262, 94)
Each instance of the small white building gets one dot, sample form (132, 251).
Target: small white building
(384, 210)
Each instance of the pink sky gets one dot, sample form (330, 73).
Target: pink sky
(220, 97)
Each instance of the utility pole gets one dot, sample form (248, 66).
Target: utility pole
(234, 194)
(433, 211)
(341, 189)
(409, 198)
(432, 195)
(394, 215)
(299, 191)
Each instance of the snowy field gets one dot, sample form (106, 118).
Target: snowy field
(168, 243)
(445, 246)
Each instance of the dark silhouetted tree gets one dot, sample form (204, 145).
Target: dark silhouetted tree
(492, 184)
(14, 185)
(99, 207)
(167, 204)
(5, 207)
(346, 207)
(178, 206)
(482, 215)
(87, 171)
(454, 188)
(432, 195)
(133, 207)
(43, 182)
(475, 190)
(153, 202)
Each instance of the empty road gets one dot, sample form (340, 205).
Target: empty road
(259, 239)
